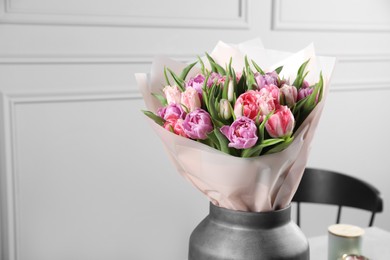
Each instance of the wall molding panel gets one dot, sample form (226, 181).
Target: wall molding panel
(9, 207)
(79, 15)
(352, 84)
(85, 59)
(7, 188)
(303, 23)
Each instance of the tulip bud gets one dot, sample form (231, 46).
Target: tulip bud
(230, 91)
(305, 90)
(288, 95)
(224, 109)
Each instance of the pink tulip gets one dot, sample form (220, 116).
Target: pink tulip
(241, 133)
(281, 124)
(190, 99)
(197, 83)
(176, 126)
(267, 79)
(271, 90)
(289, 94)
(198, 124)
(267, 104)
(305, 90)
(215, 78)
(248, 104)
(172, 94)
(171, 112)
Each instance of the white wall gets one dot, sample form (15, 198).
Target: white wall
(74, 182)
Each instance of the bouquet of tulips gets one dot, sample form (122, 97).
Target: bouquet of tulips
(246, 113)
(238, 122)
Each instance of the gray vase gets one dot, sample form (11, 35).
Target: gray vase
(238, 235)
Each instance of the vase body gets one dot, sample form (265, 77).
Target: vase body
(238, 235)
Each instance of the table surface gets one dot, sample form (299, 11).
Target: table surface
(375, 245)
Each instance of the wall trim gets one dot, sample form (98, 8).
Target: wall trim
(10, 243)
(359, 57)
(279, 24)
(7, 202)
(86, 58)
(10, 15)
(41, 58)
(73, 95)
(346, 85)
(362, 85)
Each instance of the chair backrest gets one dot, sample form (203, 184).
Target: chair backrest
(330, 187)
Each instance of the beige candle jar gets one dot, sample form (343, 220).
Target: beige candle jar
(344, 239)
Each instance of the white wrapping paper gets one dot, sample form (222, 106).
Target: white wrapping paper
(263, 183)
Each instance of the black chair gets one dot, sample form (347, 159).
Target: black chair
(330, 187)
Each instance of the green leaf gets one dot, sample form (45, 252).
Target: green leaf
(234, 77)
(186, 70)
(235, 83)
(166, 76)
(223, 141)
(262, 127)
(206, 93)
(271, 141)
(202, 67)
(251, 152)
(229, 70)
(226, 86)
(247, 66)
(206, 141)
(300, 75)
(280, 147)
(250, 80)
(312, 99)
(185, 108)
(160, 98)
(213, 105)
(178, 80)
(232, 111)
(214, 139)
(279, 69)
(214, 66)
(257, 67)
(256, 150)
(321, 86)
(171, 128)
(154, 117)
(212, 63)
(211, 101)
(241, 87)
(303, 67)
(298, 106)
(301, 79)
(319, 89)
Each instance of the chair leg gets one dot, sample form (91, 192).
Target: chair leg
(338, 215)
(372, 219)
(298, 214)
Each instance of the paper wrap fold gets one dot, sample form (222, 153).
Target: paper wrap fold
(263, 183)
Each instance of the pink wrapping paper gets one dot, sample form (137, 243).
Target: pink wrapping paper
(258, 184)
